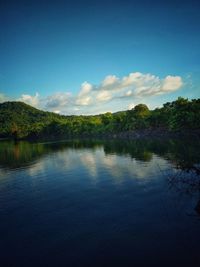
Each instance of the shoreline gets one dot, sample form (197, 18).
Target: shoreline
(127, 135)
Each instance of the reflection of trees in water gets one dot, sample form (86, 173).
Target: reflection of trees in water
(18, 154)
(136, 149)
(183, 154)
(185, 159)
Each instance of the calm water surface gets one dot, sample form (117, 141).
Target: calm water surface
(96, 203)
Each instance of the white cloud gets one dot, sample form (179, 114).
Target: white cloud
(30, 100)
(131, 106)
(110, 82)
(84, 99)
(132, 78)
(134, 85)
(171, 83)
(57, 111)
(103, 96)
(85, 89)
(57, 100)
(151, 85)
(129, 93)
(93, 98)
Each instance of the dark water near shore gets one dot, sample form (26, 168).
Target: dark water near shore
(100, 203)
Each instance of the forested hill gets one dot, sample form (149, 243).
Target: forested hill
(19, 120)
(23, 114)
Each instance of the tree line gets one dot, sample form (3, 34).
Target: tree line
(19, 120)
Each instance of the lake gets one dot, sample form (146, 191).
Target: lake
(100, 203)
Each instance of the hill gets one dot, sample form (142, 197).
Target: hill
(19, 120)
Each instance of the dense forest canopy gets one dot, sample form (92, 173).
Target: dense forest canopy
(19, 120)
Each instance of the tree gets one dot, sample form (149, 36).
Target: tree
(15, 131)
(141, 111)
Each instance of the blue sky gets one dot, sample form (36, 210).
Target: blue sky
(87, 57)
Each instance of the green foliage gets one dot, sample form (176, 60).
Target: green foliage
(19, 120)
(141, 111)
